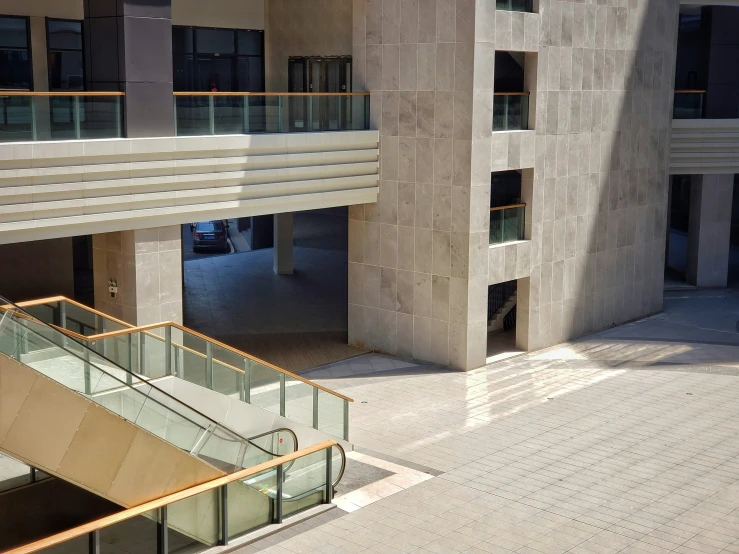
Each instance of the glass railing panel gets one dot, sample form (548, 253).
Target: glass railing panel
(515, 5)
(16, 119)
(688, 104)
(197, 518)
(299, 398)
(192, 360)
(331, 414)
(228, 372)
(510, 111)
(79, 320)
(264, 386)
(247, 509)
(60, 116)
(305, 483)
(507, 224)
(152, 353)
(42, 348)
(122, 350)
(48, 313)
(234, 113)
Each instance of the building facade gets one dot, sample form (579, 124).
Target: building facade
(501, 153)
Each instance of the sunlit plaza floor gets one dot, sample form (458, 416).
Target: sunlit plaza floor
(625, 441)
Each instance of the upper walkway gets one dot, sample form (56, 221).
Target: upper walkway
(230, 155)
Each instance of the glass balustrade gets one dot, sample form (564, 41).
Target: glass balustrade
(224, 113)
(169, 349)
(515, 5)
(59, 116)
(688, 104)
(507, 223)
(78, 368)
(510, 111)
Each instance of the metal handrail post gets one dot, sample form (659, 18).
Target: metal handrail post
(282, 394)
(329, 476)
(168, 350)
(315, 407)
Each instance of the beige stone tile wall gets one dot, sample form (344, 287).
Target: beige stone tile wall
(304, 28)
(147, 265)
(600, 78)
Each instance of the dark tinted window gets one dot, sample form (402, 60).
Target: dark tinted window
(215, 41)
(182, 39)
(15, 62)
(250, 43)
(66, 61)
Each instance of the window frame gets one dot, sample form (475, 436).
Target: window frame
(82, 50)
(236, 55)
(29, 50)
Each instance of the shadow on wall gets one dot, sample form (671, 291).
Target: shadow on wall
(611, 267)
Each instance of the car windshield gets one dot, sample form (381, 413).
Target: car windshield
(208, 227)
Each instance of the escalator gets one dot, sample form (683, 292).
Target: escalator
(78, 416)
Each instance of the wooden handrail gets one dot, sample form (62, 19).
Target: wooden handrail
(132, 329)
(49, 300)
(511, 94)
(59, 93)
(201, 93)
(107, 521)
(688, 91)
(498, 208)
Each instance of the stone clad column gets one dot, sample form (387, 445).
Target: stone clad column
(146, 264)
(709, 230)
(283, 249)
(128, 47)
(411, 269)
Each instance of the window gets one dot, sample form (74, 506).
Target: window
(66, 61)
(15, 59)
(225, 60)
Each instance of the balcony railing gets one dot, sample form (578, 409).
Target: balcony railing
(688, 104)
(507, 223)
(510, 111)
(223, 113)
(34, 116)
(515, 5)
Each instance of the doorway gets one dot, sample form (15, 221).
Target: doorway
(314, 75)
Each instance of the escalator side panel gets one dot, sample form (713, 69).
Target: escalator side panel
(67, 435)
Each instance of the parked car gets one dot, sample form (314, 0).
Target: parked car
(210, 235)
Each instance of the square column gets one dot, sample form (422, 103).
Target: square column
(146, 265)
(709, 230)
(283, 249)
(128, 47)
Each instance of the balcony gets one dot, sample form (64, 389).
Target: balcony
(515, 5)
(507, 223)
(510, 111)
(689, 104)
(224, 113)
(33, 116)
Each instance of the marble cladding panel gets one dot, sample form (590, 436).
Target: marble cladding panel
(409, 253)
(596, 167)
(602, 124)
(147, 266)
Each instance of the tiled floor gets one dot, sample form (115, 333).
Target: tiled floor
(627, 442)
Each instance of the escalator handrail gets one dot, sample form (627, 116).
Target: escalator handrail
(8, 308)
(113, 519)
(133, 329)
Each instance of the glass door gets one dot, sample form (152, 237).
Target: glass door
(298, 105)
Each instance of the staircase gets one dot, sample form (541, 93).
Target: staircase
(499, 317)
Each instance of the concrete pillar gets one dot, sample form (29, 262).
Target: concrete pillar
(283, 249)
(709, 230)
(128, 47)
(146, 265)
